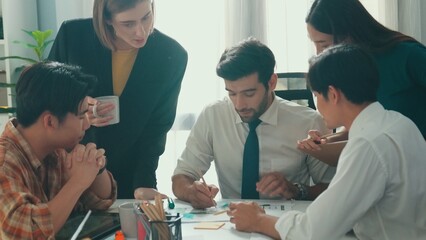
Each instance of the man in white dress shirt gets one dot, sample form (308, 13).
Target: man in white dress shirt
(379, 189)
(221, 130)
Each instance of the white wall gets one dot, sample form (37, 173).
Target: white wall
(423, 21)
(53, 12)
(66, 10)
(4, 117)
(17, 15)
(46, 10)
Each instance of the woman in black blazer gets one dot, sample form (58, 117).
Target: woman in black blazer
(148, 91)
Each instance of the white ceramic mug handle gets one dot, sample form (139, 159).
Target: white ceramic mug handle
(94, 110)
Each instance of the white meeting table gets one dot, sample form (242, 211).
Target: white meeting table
(227, 231)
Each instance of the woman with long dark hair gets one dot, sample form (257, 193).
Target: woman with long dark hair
(400, 58)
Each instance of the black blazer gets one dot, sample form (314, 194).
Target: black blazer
(147, 103)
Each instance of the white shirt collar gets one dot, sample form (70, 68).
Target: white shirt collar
(366, 115)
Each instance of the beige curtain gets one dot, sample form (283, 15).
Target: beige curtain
(410, 18)
(405, 16)
(287, 35)
(66, 10)
(245, 18)
(388, 13)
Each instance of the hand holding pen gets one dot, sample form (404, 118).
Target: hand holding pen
(201, 194)
(313, 141)
(210, 189)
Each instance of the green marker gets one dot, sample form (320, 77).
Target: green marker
(171, 203)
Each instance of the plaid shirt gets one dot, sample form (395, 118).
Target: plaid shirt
(27, 184)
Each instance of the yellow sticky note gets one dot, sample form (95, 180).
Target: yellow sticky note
(209, 225)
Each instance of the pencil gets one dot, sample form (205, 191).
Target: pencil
(152, 212)
(204, 181)
(220, 212)
(205, 184)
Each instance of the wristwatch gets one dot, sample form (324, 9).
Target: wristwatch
(302, 191)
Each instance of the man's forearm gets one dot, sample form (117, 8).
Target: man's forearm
(336, 137)
(267, 226)
(102, 186)
(69, 194)
(180, 184)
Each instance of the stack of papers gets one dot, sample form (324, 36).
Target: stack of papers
(218, 214)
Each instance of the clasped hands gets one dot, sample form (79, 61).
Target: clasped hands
(82, 164)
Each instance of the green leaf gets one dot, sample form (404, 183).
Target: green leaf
(30, 60)
(45, 35)
(4, 109)
(27, 45)
(29, 33)
(39, 45)
(6, 85)
(46, 43)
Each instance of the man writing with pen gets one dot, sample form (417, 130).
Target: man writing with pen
(251, 136)
(45, 173)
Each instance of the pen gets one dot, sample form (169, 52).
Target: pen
(171, 203)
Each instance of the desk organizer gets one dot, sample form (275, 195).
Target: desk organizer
(169, 229)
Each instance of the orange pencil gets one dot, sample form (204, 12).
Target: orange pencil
(205, 184)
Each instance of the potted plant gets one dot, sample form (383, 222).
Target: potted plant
(38, 45)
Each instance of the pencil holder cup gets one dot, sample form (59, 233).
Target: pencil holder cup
(169, 229)
(143, 225)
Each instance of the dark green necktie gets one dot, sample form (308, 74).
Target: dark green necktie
(251, 163)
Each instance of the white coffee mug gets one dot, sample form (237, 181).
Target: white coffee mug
(128, 220)
(115, 112)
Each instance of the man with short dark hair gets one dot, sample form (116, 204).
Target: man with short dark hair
(221, 135)
(44, 172)
(379, 189)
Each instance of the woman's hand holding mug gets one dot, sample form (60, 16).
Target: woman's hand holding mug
(103, 111)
